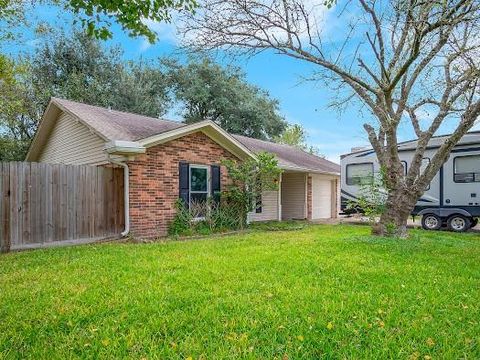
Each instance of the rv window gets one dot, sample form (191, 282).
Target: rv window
(423, 166)
(467, 169)
(359, 174)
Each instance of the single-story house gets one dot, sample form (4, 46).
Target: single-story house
(160, 157)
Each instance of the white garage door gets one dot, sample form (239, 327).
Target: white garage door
(321, 198)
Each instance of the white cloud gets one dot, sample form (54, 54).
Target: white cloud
(145, 45)
(34, 42)
(166, 32)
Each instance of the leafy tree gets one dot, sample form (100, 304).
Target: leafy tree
(296, 135)
(79, 68)
(371, 199)
(14, 125)
(209, 91)
(397, 59)
(97, 16)
(249, 179)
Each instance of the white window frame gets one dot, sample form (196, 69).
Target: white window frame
(190, 191)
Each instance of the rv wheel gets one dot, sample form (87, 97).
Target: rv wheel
(458, 223)
(431, 222)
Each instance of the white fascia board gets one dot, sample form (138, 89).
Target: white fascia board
(170, 135)
(46, 119)
(300, 169)
(124, 147)
(189, 129)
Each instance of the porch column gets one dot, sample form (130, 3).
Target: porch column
(279, 200)
(308, 196)
(334, 198)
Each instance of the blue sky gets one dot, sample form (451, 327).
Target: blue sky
(301, 102)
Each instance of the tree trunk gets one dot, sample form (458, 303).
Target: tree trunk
(393, 221)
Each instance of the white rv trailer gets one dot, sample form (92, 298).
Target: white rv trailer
(453, 197)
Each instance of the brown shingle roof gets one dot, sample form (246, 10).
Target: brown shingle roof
(118, 125)
(290, 157)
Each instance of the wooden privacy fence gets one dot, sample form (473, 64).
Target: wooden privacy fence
(48, 203)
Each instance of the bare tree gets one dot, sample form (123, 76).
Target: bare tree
(400, 58)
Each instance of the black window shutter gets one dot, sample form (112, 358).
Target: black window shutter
(215, 189)
(183, 182)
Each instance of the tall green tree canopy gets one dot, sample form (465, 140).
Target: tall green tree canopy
(209, 91)
(14, 119)
(75, 67)
(80, 68)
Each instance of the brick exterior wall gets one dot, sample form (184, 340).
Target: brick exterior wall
(309, 197)
(154, 180)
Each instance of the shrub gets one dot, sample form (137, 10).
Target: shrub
(204, 218)
(371, 199)
(249, 179)
(181, 224)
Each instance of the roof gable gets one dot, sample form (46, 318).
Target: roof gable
(117, 125)
(131, 133)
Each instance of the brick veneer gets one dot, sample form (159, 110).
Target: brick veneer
(154, 180)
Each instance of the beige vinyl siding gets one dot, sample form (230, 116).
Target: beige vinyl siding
(269, 208)
(293, 196)
(71, 142)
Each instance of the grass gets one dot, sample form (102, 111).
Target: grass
(319, 292)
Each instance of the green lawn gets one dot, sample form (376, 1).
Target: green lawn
(318, 292)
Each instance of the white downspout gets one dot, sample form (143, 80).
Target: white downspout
(125, 195)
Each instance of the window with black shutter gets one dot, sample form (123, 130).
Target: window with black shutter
(184, 183)
(216, 181)
(198, 182)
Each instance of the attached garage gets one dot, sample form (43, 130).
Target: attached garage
(308, 196)
(293, 190)
(324, 193)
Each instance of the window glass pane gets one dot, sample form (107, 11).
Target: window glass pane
(198, 179)
(358, 174)
(423, 166)
(467, 164)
